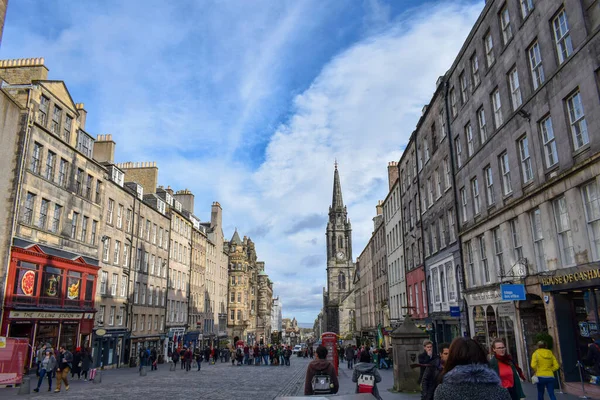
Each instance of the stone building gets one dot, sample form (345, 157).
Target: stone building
(56, 200)
(338, 296)
(197, 315)
(526, 80)
(396, 277)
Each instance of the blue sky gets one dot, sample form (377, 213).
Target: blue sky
(249, 102)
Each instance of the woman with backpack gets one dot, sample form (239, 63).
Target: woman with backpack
(366, 375)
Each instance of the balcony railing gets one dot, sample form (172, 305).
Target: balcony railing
(53, 302)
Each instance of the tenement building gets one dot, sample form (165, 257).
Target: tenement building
(53, 210)
(523, 108)
(338, 297)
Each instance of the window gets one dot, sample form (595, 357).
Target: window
(88, 187)
(98, 188)
(489, 185)
(145, 266)
(577, 121)
(426, 150)
(453, 102)
(429, 192)
(485, 269)
(128, 220)
(464, 88)
(564, 47)
(74, 222)
(55, 128)
(489, 49)
(94, 229)
(497, 107)
(143, 294)
(525, 160)
(113, 284)
(458, 148)
(43, 214)
(442, 122)
(239, 315)
(516, 240)
(103, 282)
(442, 228)
(515, 89)
(100, 315)
(125, 255)
(451, 229)
(109, 215)
(463, 202)
(563, 228)
(79, 181)
(499, 251)
(63, 172)
(142, 322)
(505, 170)
(482, 125)
(475, 70)
(106, 248)
(136, 292)
(526, 7)
(447, 172)
(154, 228)
(116, 252)
(120, 316)
(67, 129)
(417, 299)
(150, 293)
(43, 111)
(120, 216)
(535, 63)
(85, 143)
(470, 263)
(36, 158)
(123, 286)
(592, 216)
(50, 161)
(56, 219)
(232, 316)
(434, 238)
(84, 226)
(438, 183)
(469, 136)
(148, 232)
(505, 24)
(475, 194)
(535, 218)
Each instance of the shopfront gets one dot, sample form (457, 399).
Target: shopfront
(108, 347)
(146, 342)
(573, 297)
(492, 318)
(49, 299)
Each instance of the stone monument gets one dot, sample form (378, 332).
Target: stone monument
(407, 343)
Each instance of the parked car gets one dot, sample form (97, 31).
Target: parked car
(297, 348)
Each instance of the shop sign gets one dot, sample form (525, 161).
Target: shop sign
(44, 315)
(487, 297)
(574, 277)
(512, 292)
(454, 311)
(506, 309)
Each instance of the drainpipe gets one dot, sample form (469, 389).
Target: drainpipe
(455, 193)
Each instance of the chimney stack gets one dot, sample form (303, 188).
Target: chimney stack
(393, 173)
(104, 149)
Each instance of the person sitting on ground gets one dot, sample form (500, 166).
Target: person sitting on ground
(366, 375)
(320, 365)
(467, 376)
(430, 378)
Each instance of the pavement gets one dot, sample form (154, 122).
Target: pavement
(221, 381)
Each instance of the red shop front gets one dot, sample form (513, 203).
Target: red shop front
(49, 299)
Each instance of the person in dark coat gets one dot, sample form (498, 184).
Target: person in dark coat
(175, 358)
(593, 355)
(182, 357)
(318, 365)
(76, 370)
(154, 359)
(349, 353)
(207, 354)
(467, 376)
(430, 378)
(425, 357)
(86, 363)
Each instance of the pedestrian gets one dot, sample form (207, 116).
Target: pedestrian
(282, 349)
(232, 355)
(65, 362)
(425, 357)
(509, 372)
(182, 357)
(544, 364)
(287, 353)
(143, 357)
(47, 366)
(86, 363)
(154, 359)
(382, 356)
(76, 363)
(349, 353)
(321, 367)
(207, 354)
(198, 359)
(366, 376)
(310, 353)
(593, 354)
(430, 378)
(467, 376)
(265, 355)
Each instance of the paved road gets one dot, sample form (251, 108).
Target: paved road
(215, 382)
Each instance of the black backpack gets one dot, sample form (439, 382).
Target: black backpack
(321, 383)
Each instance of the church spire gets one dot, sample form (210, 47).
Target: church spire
(337, 202)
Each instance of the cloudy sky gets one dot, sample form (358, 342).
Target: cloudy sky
(250, 102)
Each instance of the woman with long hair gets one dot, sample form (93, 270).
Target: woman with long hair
(467, 376)
(509, 372)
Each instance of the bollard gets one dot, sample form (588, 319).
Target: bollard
(98, 377)
(25, 387)
(143, 371)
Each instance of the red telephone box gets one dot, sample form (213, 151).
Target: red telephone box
(329, 341)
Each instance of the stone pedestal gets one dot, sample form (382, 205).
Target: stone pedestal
(407, 344)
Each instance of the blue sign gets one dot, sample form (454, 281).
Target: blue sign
(454, 311)
(513, 292)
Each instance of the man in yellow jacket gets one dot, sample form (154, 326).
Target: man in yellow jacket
(544, 364)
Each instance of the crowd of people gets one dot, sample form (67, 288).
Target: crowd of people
(59, 364)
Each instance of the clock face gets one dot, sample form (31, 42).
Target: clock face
(340, 255)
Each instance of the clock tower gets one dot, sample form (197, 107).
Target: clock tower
(340, 268)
